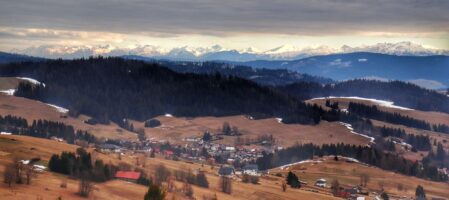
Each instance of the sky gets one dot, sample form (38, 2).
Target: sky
(234, 24)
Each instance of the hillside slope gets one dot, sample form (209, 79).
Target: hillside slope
(427, 71)
(113, 89)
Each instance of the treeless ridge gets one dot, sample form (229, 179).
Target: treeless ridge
(177, 128)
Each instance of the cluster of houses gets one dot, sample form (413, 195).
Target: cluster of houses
(32, 163)
(230, 171)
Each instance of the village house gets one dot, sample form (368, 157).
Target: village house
(251, 169)
(321, 182)
(128, 176)
(56, 139)
(227, 171)
(109, 148)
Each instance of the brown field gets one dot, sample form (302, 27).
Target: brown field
(348, 175)
(34, 110)
(176, 128)
(431, 117)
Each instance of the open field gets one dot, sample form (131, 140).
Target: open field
(176, 128)
(34, 110)
(348, 173)
(431, 117)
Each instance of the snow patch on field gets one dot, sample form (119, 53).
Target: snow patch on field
(59, 109)
(279, 120)
(9, 92)
(33, 81)
(383, 103)
(350, 159)
(300, 162)
(349, 126)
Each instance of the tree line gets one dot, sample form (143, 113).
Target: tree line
(401, 93)
(374, 113)
(44, 129)
(80, 165)
(419, 142)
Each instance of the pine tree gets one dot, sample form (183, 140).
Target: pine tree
(420, 192)
(154, 193)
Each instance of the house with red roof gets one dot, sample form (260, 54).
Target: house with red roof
(127, 176)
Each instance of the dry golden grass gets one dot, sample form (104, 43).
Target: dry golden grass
(34, 110)
(176, 128)
(348, 175)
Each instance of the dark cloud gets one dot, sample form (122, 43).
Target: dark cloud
(222, 17)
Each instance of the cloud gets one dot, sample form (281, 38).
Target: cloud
(211, 17)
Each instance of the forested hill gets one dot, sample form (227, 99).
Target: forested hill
(401, 93)
(114, 88)
(11, 57)
(259, 75)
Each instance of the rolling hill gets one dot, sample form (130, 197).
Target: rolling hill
(426, 71)
(11, 57)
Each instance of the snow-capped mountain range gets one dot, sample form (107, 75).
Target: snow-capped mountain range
(217, 52)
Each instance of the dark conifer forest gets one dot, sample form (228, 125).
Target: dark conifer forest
(114, 89)
(373, 112)
(44, 129)
(401, 93)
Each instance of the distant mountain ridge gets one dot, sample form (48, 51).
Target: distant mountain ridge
(426, 71)
(217, 52)
(271, 77)
(11, 57)
(430, 72)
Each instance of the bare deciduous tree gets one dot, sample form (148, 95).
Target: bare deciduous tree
(187, 190)
(19, 168)
(364, 179)
(161, 174)
(284, 186)
(85, 187)
(226, 184)
(9, 175)
(335, 187)
(29, 173)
